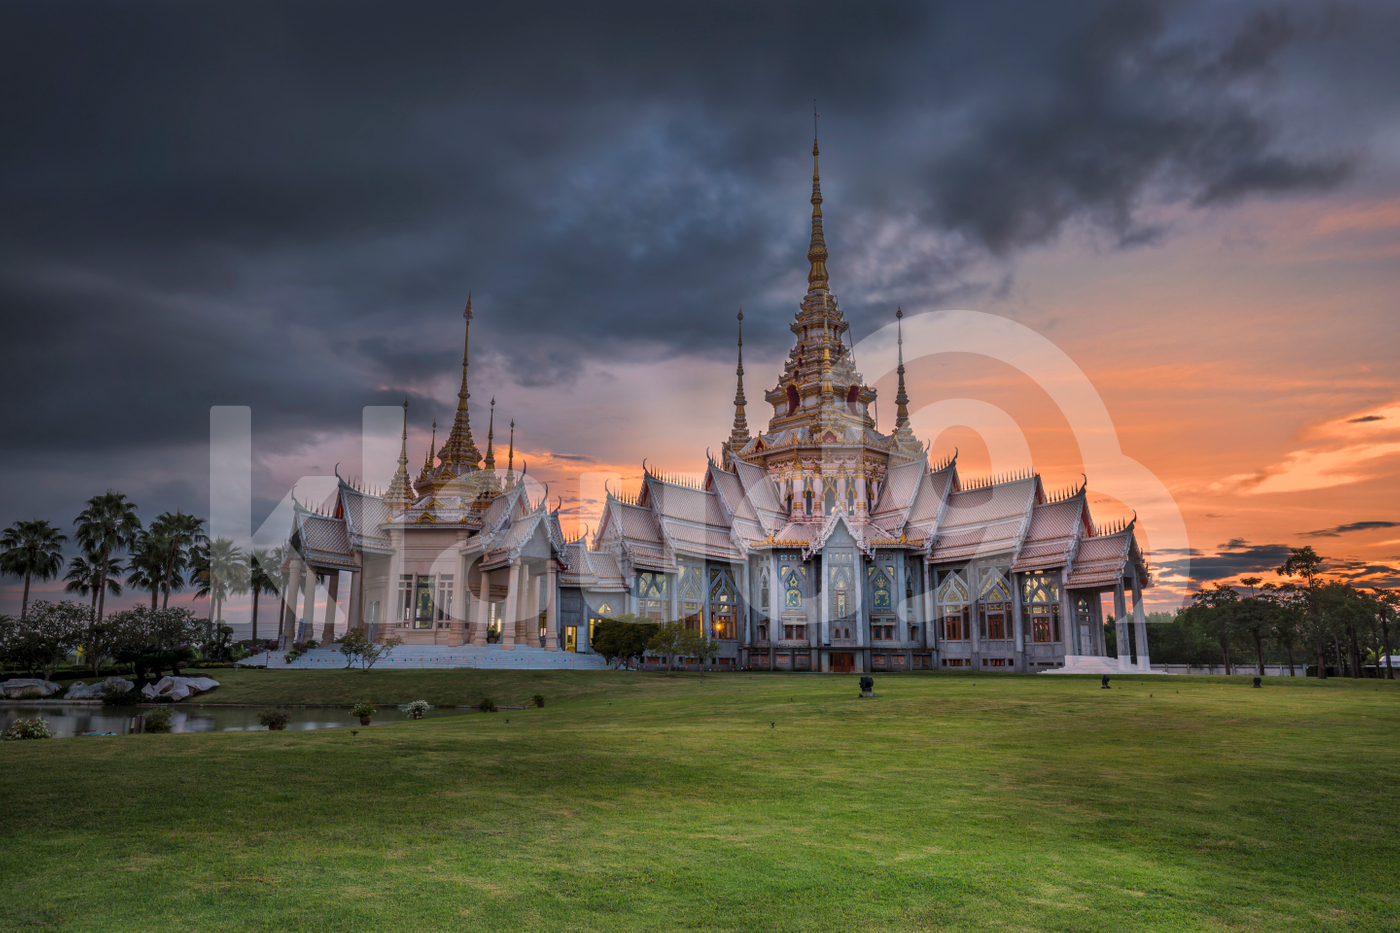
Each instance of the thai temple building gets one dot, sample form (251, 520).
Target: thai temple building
(816, 543)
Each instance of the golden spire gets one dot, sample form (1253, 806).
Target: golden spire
(428, 457)
(510, 457)
(901, 398)
(739, 436)
(816, 252)
(398, 493)
(459, 451)
(490, 438)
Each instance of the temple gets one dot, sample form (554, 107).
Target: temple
(817, 544)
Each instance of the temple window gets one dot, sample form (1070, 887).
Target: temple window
(829, 496)
(791, 576)
(653, 599)
(994, 614)
(792, 399)
(405, 601)
(841, 582)
(724, 599)
(444, 597)
(850, 495)
(852, 399)
(881, 585)
(690, 599)
(913, 633)
(953, 598)
(1040, 594)
(423, 602)
(807, 499)
(762, 631)
(763, 590)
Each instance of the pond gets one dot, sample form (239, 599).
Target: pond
(77, 719)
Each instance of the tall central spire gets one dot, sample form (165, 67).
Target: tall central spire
(399, 493)
(816, 252)
(739, 436)
(459, 452)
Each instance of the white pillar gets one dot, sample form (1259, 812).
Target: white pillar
(1120, 625)
(1140, 623)
(483, 611)
(308, 601)
(551, 607)
(512, 607)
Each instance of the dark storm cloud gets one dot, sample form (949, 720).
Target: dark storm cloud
(1236, 557)
(285, 204)
(1340, 530)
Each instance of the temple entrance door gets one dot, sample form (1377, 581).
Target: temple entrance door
(842, 662)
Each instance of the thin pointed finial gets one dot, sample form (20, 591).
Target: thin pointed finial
(739, 434)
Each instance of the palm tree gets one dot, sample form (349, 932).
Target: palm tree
(264, 577)
(83, 578)
(108, 524)
(149, 560)
(32, 549)
(221, 570)
(183, 533)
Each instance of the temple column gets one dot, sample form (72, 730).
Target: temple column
(1144, 661)
(530, 618)
(354, 610)
(332, 594)
(1120, 625)
(1018, 623)
(308, 604)
(551, 607)
(512, 607)
(483, 612)
(288, 629)
(824, 637)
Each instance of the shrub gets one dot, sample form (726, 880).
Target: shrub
(417, 709)
(485, 705)
(538, 699)
(363, 708)
(311, 644)
(158, 720)
(27, 729)
(114, 697)
(274, 718)
(30, 694)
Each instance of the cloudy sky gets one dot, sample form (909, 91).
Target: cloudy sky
(285, 205)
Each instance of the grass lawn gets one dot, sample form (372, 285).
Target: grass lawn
(727, 802)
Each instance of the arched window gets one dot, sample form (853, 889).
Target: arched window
(690, 597)
(881, 587)
(852, 399)
(763, 591)
(850, 495)
(653, 595)
(807, 499)
(791, 576)
(724, 603)
(953, 598)
(1040, 595)
(829, 496)
(994, 614)
(792, 399)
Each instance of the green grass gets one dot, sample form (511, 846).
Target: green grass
(668, 802)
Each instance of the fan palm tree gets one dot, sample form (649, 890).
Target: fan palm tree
(31, 549)
(183, 533)
(83, 578)
(264, 577)
(109, 524)
(149, 560)
(220, 571)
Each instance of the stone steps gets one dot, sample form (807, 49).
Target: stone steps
(413, 657)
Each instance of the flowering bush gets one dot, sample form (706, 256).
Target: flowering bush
(363, 709)
(27, 729)
(274, 718)
(417, 709)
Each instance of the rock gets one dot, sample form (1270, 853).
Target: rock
(178, 688)
(15, 686)
(82, 691)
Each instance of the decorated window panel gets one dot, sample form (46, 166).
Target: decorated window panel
(724, 601)
(690, 598)
(953, 609)
(653, 595)
(792, 576)
(882, 588)
(423, 602)
(994, 609)
(828, 496)
(841, 582)
(444, 597)
(764, 590)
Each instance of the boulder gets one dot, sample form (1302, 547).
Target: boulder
(82, 691)
(14, 687)
(178, 688)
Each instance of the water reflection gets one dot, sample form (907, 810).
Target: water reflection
(72, 719)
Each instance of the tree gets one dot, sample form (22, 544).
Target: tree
(53, 630)
(183, 533)
(1387, 602)
(1288, 617)
(99, 643)
(667, 642)
(1254, 615)
(623, 640)
(220, 571)
(147, 563)
(83, 578)
(152, 640)
(264, 577)
(32, 549)
(1216, 611)
(1304, 563)
(109, 524)
(356, 646)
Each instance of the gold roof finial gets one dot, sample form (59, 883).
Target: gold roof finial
(901, 398)
(459, 450)
(510, 457)
(816, 252)
(490, 438)
(739, 436)
(398, 492)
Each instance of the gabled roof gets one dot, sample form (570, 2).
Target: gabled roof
(984, 521)
(364, 515)
(1053, 531)
(1102, 560)
(321, 540)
